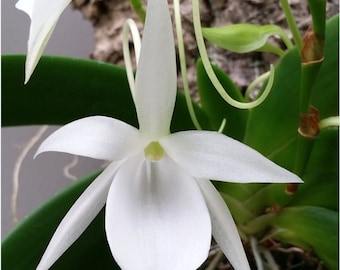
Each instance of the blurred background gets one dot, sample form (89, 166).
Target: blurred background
(42, 177)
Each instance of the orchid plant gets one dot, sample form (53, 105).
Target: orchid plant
(161, 207)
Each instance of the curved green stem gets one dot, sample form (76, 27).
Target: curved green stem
(211, 74)
(222, 126)
(328, 122)
(285, 38)
(182, 61)
(272, 49)
(254, 83)
(130, 25)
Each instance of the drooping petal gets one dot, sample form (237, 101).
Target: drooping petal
(223, 226)
(211, 155)
(97, 137)
(156, 217)
(156, 77)
(44, 16)
(83, 211)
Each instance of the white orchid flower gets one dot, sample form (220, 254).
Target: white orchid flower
(161, 209)
(44, 15)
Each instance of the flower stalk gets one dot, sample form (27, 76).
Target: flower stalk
(181, 52)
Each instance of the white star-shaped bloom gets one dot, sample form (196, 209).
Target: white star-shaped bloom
(161, 209)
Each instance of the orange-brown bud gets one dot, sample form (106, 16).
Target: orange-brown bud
(309, 123)
(313, 45)
(291, 188)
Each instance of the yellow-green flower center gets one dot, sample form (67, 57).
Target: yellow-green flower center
(154, 151)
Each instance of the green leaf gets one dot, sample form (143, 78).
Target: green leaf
(24, 246)
(319, 189)
(218, 109)
(273, 124)
(311, 228)
(325, 153)
(64, 89)
(321, 177)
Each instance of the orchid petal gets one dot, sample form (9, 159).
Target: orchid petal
(208, 154)
(83, 211)
(156, 217)
(223, 226)
(156, 77)
(44, 16)
(97, 137)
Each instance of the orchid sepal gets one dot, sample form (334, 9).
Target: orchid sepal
(44, 16)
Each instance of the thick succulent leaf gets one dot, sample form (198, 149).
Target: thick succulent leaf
(216, 107)
(274, 123)
(324, 157)
(322, 173)
(312, 228)
(320, 187)
(64, 89)
(30, 238)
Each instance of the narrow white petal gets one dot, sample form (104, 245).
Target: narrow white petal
(223, 226)
(83, 211)
(156, 77)
(44, 16)
(208, 154)
(97, 137)
(156, 217)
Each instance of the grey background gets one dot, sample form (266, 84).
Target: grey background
(42, 177)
